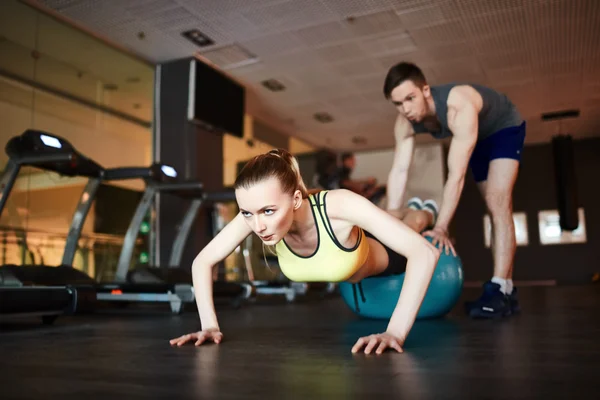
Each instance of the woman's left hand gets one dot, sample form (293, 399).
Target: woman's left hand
(381, 340)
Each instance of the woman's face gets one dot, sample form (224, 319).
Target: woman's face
(268, 211)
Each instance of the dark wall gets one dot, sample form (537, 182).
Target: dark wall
(195, 153)
(535, 191)
(114, 208)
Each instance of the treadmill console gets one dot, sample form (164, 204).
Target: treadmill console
(52, 153)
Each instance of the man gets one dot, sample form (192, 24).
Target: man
(486, 133)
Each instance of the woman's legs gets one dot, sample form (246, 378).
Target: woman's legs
(383, 260)
(418, 220)
(419, 215)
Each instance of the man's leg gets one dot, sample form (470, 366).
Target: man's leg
(496, 179)
(498, 198)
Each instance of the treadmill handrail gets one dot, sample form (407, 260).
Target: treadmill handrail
(186, 189)
(34, 160)
(184, 185)
(224, 195)
(123, 173)
(60, 157)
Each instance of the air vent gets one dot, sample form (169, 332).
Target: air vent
(273, 85)
(560, 115)
(230, 57)
(323, 117)
(198, 38)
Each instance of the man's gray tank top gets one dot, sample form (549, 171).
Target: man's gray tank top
(497, 113)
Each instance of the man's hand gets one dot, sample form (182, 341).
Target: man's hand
(381, 340)
(439, 235)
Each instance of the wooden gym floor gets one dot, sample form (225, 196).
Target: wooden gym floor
(302, 351)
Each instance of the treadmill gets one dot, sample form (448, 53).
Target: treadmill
(42, 291)
(175, 273)
(158, 178)
(52, 153)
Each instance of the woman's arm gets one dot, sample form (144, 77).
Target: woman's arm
(422, 256)
(216, 251)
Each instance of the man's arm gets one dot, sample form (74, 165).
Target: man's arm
(463, 111)
(398, 176)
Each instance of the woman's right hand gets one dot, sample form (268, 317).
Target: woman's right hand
(200, 337)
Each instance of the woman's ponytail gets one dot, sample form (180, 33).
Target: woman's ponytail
(278, 163)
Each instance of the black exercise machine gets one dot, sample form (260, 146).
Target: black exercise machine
(175, 293)
(174, 273)
(38, 290)
(52, 153)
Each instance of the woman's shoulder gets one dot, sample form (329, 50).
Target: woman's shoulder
(336, 202)
(328, 194)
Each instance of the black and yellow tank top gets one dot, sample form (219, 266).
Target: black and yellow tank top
(330, 262)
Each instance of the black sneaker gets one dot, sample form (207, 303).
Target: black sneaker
(513, 300)
(492, 303)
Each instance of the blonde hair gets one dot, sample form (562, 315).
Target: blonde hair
(278, 163)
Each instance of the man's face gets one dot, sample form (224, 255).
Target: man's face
(410, 100)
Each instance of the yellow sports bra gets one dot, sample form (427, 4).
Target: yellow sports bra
(331, 262)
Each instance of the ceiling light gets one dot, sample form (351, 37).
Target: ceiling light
(323, 117)
(110, 87)
(198, 38)
(359, 140)
(273, 85)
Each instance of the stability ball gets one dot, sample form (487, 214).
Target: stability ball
(376, 297)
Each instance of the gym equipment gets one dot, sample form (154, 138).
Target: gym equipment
(156, 177)
(48, 302)
(566, 181)
(50, 152)
(174, 274)
(377, 297)
(41, 290)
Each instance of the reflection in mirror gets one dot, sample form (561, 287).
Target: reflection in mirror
(57, 79)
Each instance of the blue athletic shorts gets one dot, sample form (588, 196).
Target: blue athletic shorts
(506, 143)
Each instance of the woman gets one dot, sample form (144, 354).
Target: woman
(319, 237)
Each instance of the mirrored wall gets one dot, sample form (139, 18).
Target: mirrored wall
(60, 80)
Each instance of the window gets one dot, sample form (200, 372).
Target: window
(551, 232)
(521, 232)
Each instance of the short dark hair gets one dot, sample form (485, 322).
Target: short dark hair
(346, 156)
(401, 72)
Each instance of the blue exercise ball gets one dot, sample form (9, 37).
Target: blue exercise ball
(377, 297)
